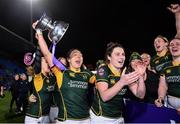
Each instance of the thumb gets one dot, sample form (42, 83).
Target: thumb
(123, 72)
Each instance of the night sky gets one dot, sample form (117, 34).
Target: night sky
(92, 24)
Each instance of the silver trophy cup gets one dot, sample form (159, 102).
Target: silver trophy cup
(56, 29)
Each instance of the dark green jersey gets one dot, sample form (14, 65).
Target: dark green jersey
(172, 75)
(43, 88)
(55, 96)
(112, 108)
(74, 95)
(157, 62)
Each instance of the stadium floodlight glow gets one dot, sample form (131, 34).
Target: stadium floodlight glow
(32, 0)
(31, 16)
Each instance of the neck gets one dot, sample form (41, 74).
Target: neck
(176, 60)
(116, 71)
(75, 69)
(162, 53)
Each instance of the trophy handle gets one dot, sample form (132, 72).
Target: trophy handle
(44, 23)
(58, 31)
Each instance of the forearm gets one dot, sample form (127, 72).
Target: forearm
(177, 17)
(109, 93)
(162, 90)
(44, 49)
(138, 88)
(141, 88)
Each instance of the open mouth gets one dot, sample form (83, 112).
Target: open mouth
(121, 62)
(77, 62)
(158, 47)
(145, 61)
(174, 50)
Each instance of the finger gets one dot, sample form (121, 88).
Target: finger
(168, 8)
(132, 80)
(133, 74)
(123, 72)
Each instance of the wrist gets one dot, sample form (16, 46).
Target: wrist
(38, 31)
(120, 83)
(161, 97)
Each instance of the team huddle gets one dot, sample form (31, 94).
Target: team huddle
(78, 96)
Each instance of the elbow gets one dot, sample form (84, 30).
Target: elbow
(140, 95)
(105, 98)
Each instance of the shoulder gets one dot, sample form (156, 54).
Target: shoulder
(103, 70)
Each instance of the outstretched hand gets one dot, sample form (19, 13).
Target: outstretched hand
(174, 8)
(129, 78)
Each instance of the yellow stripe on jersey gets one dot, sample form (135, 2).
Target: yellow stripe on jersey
(38, 82)
(92, 79)
(176, 63)
(58, 74)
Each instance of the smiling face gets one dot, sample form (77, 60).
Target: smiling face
(117, 57)
(160, 44)
(146, 58)
(75, 59)
(135, 62)
(174, 47)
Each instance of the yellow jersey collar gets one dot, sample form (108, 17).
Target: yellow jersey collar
(176, 63)
(75, 70)
(114, 71)
(163, 53)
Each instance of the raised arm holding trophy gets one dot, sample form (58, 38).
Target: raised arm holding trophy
(56, 31)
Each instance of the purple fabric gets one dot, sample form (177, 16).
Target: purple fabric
(55, 61)
(59, 64)
(136, 112)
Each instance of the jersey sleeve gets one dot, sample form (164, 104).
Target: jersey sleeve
(58, 74)
(38, 82)
(102, 74)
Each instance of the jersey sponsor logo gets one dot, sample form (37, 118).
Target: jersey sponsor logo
(78, 84)
(112, 81)
(166, 58)
(168, 71)
(122, 92)
(72, 74)
(157, 61)
(173, 79)
(50, 88)
(84, 77)
(101, 72)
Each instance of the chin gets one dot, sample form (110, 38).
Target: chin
(119, 67)
(77, 67)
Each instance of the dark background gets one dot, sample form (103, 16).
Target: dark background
(93, 23)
